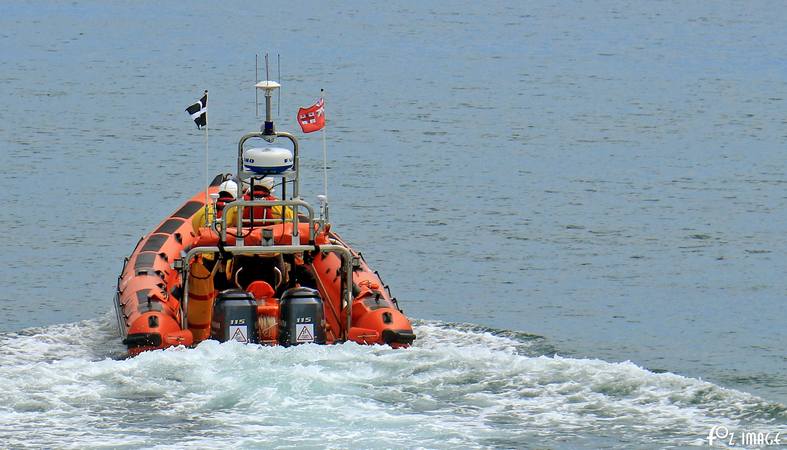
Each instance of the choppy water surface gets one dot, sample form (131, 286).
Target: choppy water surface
(460, 386)
(607, 175)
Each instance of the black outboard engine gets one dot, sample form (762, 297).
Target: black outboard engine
(234, 317)
(302, 318)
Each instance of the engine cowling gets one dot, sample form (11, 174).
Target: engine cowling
(302, 320)
(234, 317)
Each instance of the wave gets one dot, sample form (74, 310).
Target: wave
(460, 385)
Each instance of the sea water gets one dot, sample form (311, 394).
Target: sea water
(459, 386)
(582, 204)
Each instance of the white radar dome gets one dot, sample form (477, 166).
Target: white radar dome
(268, 160)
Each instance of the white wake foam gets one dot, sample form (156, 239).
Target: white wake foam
(459, 386)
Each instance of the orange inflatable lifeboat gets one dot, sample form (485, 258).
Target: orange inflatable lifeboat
(211, 270)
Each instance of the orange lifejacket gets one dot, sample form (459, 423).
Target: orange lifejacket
(259, 212)
(220, 202)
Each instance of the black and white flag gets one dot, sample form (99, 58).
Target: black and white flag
(199, 111)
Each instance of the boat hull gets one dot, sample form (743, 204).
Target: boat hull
(150, 292)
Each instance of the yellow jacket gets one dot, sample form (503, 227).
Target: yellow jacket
(198, 220)
(276, 210)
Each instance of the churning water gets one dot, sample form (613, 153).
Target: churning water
(609, 176)
(460, 386)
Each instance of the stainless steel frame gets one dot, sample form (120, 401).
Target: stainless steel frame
(295, 203)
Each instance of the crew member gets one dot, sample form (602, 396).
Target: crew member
(263, 190)
(228, 191)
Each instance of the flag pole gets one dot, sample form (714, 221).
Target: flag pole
(324, 158)
(207, 181)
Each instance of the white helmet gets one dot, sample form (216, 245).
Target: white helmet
(229, 186)
(266, 182)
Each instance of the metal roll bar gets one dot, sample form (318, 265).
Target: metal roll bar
(270, 136)
(295, 203)
(262, 135)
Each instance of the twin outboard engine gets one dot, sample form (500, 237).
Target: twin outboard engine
(234, 317)
(301, 317)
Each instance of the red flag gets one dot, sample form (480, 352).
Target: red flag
(312, 118)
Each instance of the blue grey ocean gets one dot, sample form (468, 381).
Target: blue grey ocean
(582, 204)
